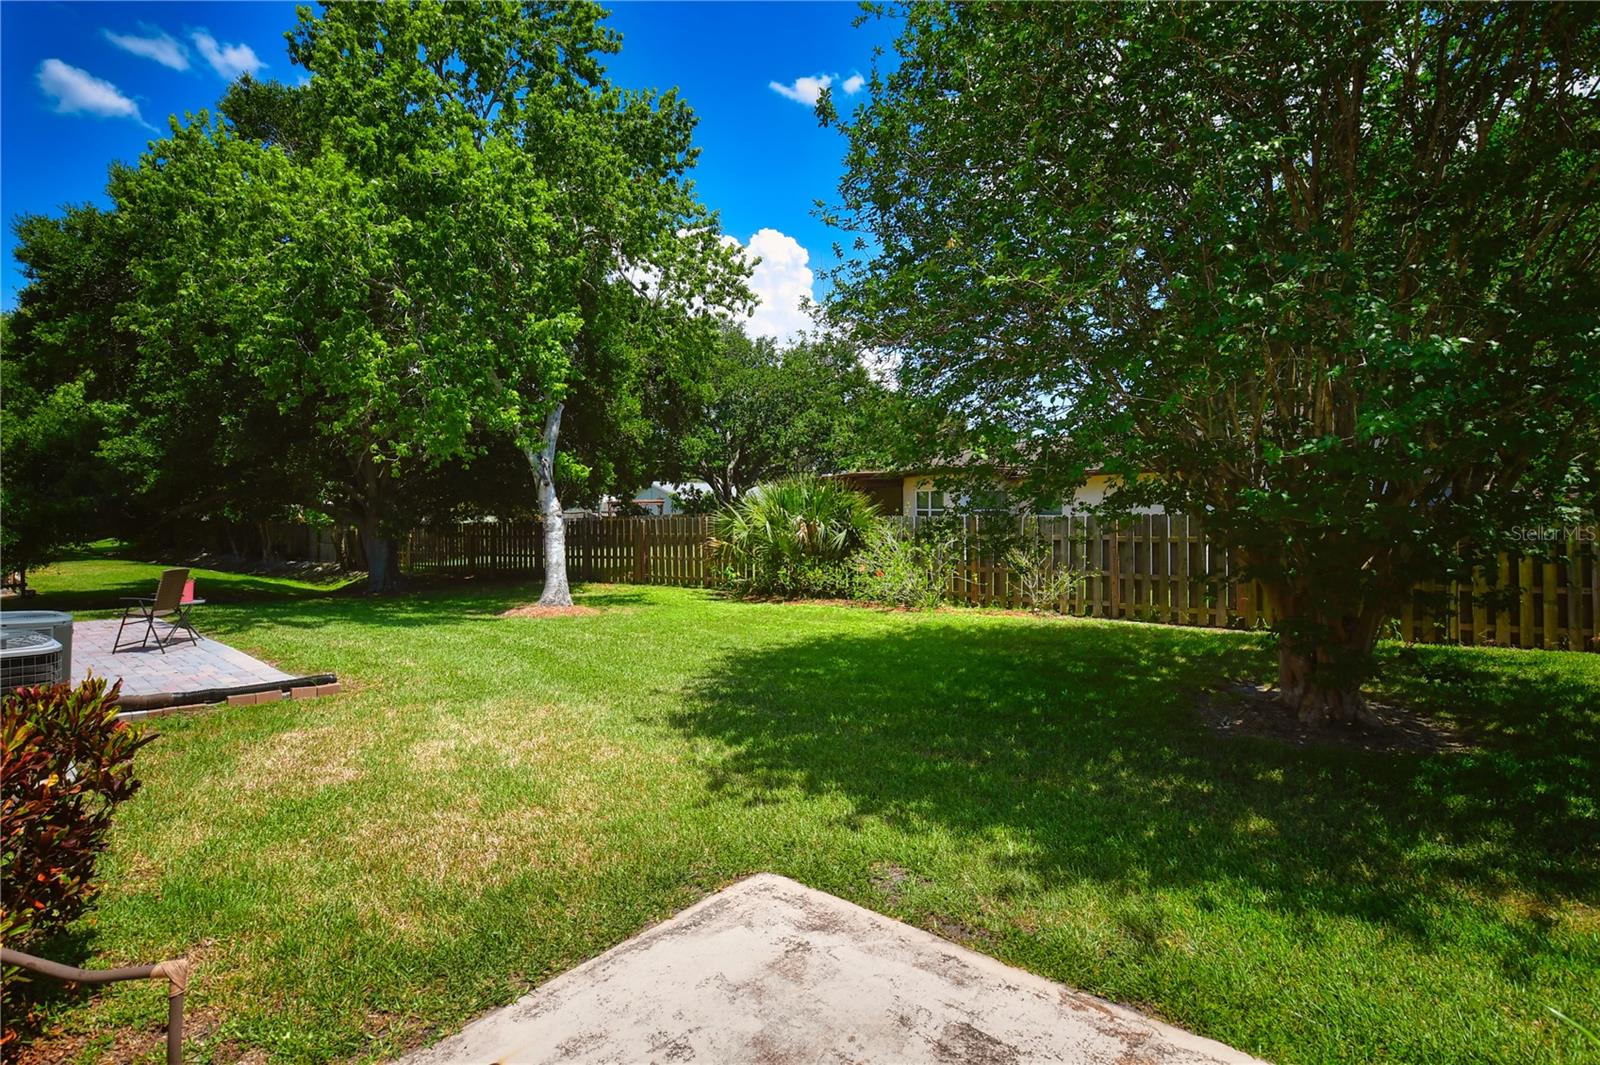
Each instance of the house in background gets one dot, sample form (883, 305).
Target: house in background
(657, 500)
(915, 493)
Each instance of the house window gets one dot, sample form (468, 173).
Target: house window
(992, 501)
(931, 504)
(1046, 510)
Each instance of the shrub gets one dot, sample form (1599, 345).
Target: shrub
(67, 763)
(1032, 564)
(792, 538)
(908, 568)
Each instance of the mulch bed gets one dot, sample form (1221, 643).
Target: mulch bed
(1244, 709)
(143, 1039)
(534, 610)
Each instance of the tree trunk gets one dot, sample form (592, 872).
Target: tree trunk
(721, 485)
(1322, 661)
(368, 498)
(341, 548)
(557, 592)
(1316, 696)
(265, 531)
(383, 561)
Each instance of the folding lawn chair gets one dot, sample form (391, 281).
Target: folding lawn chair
(170, 605)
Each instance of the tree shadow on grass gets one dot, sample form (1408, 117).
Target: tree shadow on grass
(1521, 700)
(108, 596)
(1083, 741)
(434, 603)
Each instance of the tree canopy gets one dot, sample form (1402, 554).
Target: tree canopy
(1325, 275)
(768, 411)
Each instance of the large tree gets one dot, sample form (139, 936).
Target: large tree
(1323, 274)
(155, 439)
(458, 230)
(54, 490)
(555, 269)
(254, 300)
(62, 363)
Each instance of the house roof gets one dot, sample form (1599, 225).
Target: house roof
(966, 460)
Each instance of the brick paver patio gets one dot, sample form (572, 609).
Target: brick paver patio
(186, 667)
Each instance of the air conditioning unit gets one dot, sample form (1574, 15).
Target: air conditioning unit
(35, 648)
(28, 658)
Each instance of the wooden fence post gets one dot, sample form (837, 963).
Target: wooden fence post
(1222, 579)
(1114, 566)
(1181, 589)
(1573, 586)
(1550, 600)
(1502, 611)
(1525, 602)
(641, 552)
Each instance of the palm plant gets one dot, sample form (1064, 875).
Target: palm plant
(791, 537)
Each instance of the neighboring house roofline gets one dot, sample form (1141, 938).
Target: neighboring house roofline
(934, 469)
(900, 490)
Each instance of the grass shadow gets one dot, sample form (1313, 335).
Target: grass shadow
(433, 602)
(106, 597)
(1088, 748)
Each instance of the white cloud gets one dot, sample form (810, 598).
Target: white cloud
(882, 366)
(782, 285)
(80, 92)
(781, 282)
(804, 90)
(158, 45)
(229, 60)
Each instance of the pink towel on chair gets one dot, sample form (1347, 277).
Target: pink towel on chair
(188, 590)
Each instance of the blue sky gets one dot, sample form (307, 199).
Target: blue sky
(82, 85)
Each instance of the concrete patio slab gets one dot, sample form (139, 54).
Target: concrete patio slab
(770, 971)
(187, 666)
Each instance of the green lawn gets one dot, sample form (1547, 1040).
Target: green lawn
(497, 799)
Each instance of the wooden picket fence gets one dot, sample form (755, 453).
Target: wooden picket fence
(1162, 568)
(668, 550)
(1153, 567)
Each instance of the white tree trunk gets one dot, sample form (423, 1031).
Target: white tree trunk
(557, 592)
